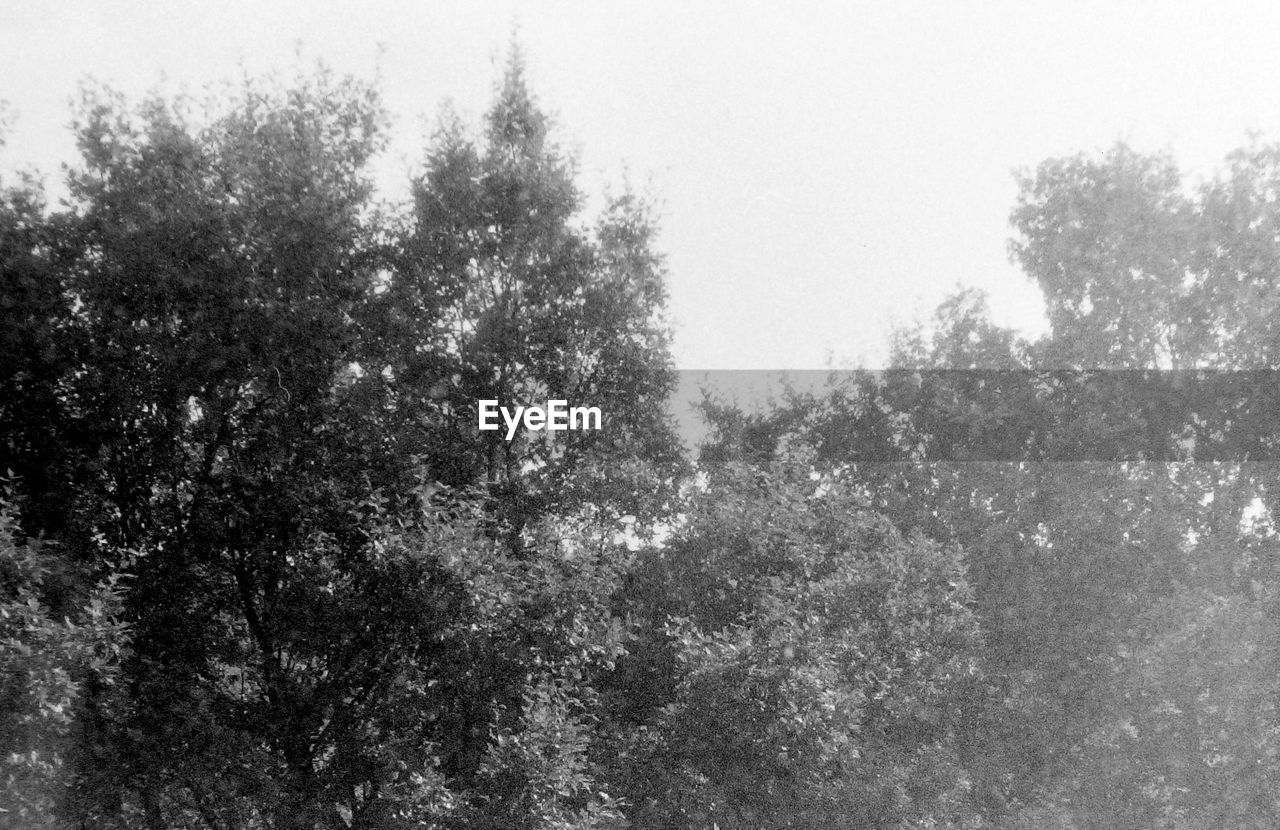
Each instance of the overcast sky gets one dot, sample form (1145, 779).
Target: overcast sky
(823, 170)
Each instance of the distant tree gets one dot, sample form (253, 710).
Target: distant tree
(1110, 241)
(1100, 570)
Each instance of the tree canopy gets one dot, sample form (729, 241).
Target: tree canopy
(260, 568)
(1110, 483)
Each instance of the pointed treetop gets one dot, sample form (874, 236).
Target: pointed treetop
(515, 118)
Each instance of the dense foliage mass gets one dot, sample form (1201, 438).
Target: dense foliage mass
(260, 569)
(1112, 486)
(242, 396)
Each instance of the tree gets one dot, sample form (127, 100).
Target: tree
(813, 659)
(521, 304)
(242, 389)
(1109, 242)
(1104, 566)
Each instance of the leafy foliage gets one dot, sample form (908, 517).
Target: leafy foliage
(1110, 484)
(239, 392)
(49, 666)
(1006, 584)
(814, 658)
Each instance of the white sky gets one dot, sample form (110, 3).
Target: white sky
(823, 169)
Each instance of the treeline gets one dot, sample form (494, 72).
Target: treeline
(260, 569)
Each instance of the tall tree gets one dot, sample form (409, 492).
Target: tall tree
(242, 386)
(524, 303)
